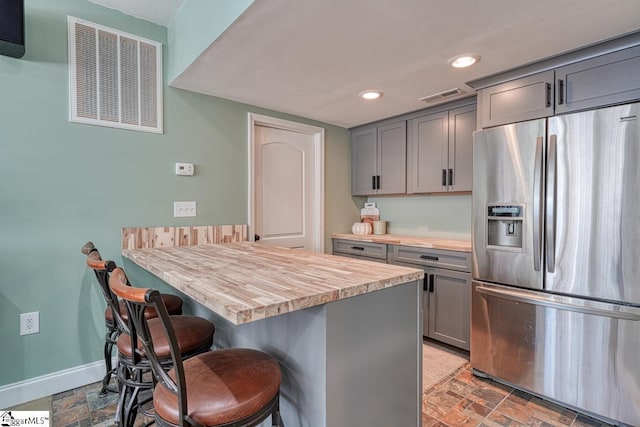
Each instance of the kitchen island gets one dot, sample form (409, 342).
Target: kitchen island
(346, 332)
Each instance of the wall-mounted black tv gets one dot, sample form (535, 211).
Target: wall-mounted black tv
(12, 28)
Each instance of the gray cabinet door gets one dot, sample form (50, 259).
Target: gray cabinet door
(605, 80)
(428, 153)
(523, 99)
(392, 158)
(449, 307)
(364, 161)
(462, 123)
(440, 148)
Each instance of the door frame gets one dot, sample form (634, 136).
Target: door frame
(318, 147)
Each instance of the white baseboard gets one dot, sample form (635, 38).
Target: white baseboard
(56, 382)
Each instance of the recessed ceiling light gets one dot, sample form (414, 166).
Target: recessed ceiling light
(371, 94)
(465, 60)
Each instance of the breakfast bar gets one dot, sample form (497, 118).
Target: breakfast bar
(347, 332)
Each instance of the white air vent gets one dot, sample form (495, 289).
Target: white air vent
(442, 95)
(115, 78)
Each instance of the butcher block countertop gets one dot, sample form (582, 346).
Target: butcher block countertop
(417, 241)
(247, 281)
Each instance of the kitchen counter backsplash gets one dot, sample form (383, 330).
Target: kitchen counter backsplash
(460, 245)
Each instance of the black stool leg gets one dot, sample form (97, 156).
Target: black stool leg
(276, 419)
(109, 342)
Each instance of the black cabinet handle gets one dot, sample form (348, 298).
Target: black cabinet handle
(432, 278)
(548, 96)
(444, 177)
(373, 182)
(358, 248)
(450, 176)
(425, 286)
(256, 237)
(560, 91)
(429, 257)
(377, 182)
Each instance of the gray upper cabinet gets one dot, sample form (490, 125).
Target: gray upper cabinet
(518, 100)
(462, 123)
(428, 140)
(364, 168)
(569, 83)
(440, 151)
(379, 160)
(605, 80)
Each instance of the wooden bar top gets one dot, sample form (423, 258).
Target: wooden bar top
(417, 241)
(243, 282)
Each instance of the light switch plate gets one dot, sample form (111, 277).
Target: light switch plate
(181, 209)
(185, 169)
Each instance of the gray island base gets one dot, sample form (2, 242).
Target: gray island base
(349, 341)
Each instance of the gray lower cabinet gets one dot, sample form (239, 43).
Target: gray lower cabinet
(362, 250)
(448, 307)
(609, 79)
(379, 160)
(440, 151)
(447, 291)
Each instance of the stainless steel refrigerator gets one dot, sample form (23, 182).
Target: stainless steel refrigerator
(556, 259)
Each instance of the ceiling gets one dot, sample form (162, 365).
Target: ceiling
(313, 58)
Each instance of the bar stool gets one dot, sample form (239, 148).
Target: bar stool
(194, 336)
(231, 387)
(102, 269)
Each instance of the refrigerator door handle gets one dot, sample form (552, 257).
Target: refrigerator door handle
(547, 301)
(551, 206)
(537, 205)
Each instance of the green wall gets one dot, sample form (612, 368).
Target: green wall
(62, 184)
(426, 215)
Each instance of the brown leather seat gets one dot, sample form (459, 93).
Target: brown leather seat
(223, 386)
(193, 333)
(231, 387)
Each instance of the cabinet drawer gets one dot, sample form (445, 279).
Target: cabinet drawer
(362, 249)
(451, 260)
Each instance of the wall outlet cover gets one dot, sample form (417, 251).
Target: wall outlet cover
(183, 209)
(30, 323)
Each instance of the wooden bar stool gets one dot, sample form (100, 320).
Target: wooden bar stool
(194, 336)
(102, 269)
(231, 387)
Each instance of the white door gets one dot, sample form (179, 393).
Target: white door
(287, 194)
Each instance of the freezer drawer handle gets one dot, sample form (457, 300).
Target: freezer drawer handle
(429, 257)
(526, 297)
(357, 248)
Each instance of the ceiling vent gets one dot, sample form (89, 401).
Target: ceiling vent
(441, 96)
(115, 78)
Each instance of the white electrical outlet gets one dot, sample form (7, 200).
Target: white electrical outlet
(181, 209)
(30, 323)
(186, 169)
